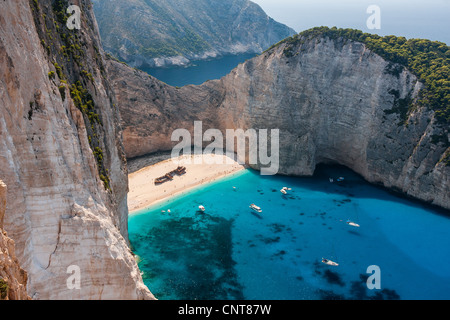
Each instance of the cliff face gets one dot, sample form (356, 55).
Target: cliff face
(334, 101)
(174, 32)
(13, 279)
(61, 155)
(151, 110)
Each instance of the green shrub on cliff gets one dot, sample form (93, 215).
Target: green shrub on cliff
(62, 91)
(4, 288)
(83, 100)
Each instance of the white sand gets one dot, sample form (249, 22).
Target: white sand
(144, 193)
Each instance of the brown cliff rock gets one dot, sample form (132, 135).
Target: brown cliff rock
(13, 279)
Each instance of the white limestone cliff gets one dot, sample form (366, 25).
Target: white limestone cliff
(59, 211)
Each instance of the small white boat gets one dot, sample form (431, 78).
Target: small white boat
(256, 208)
(285, 190)
(331, 180)
(353, 224)
(329, 262)
(202, 208)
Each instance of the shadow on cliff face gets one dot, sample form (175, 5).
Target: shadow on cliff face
(191, 257)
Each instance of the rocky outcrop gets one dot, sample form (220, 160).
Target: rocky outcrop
(151, 110)
(13, 279)
(61, 155)
(172, 32)
(333, 100)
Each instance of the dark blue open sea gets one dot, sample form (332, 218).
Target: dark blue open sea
(198, 71)
(232, 252)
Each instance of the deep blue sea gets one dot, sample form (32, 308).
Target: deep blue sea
(232, 252)
(199, 71)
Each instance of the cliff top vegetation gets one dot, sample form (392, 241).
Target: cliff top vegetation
(428, 60)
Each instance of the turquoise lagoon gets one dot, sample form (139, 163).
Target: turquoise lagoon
(231, 252)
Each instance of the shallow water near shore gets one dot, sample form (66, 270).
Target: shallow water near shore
(232, 252)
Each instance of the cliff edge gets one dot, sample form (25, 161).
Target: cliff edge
(62, 157)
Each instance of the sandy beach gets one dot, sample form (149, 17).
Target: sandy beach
(199, 170)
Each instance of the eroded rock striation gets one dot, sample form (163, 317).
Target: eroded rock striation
(61, 155)
(334, 101)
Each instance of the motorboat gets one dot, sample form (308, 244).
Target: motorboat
(353, 224)
(284, 190)
(256, 208)
(202, 208)
(329, 262)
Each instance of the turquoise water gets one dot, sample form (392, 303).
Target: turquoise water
(199, 71)
(231, 252)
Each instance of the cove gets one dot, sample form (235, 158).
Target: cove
(198, 71)
(231, 252)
